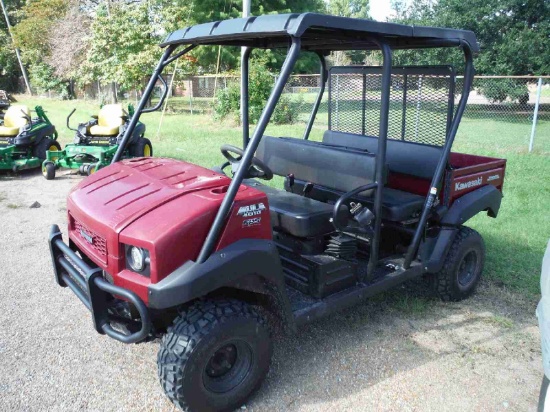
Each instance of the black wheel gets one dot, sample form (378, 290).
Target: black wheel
(463, 266)
(215, 356)
(91, 168)
(46, 144)
(48, 170)
(543, 395)
(142, 148)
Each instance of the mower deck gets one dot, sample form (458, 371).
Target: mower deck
(12, 159)
(79, 156)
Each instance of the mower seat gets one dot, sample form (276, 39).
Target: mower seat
(109, 120)
(14, 120)
(294, 214)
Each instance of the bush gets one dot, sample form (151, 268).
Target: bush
(498, 90)
(261, 81)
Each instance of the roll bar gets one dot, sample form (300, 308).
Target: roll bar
(164, 61)
(438, 175)
(250, 145)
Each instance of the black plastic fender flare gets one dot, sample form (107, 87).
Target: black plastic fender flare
(486, 198)
(464, 208)
(245, 262)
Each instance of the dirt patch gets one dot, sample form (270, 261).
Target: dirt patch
(401, 351)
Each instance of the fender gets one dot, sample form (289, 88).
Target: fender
(486, 198)
(245, 262)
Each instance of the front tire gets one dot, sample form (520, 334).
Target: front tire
(463, 267)
(216, 354)
(48, 170)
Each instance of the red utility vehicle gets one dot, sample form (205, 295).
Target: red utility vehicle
(161, 247)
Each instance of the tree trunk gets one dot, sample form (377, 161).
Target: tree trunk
(113, 93)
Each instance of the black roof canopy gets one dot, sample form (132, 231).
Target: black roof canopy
(317, 32)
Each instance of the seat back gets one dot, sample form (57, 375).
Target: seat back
(14, 116)
(401, 156)
(333, 167)
(111, 115)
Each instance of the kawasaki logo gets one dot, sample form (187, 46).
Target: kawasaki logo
(251, 210)
(467, 185)
(88, 238)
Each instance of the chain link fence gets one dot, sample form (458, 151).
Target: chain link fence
(507, 100)
(502, 99)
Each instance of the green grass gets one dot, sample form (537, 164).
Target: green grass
(500, 321)
(515, 241)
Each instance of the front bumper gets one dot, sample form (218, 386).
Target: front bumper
(96, 293)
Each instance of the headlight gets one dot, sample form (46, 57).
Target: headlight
(136, 258)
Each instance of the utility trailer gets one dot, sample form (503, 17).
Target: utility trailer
(210, 259)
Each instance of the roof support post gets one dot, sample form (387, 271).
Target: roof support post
(245, 64)
(323, 82)
(164, 61)
(438, 175)
(227, 202)
(380, 154)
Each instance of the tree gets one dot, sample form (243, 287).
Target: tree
(9, 67)
(123, 46)
(177, 14)
(349, 8)
(32, 34)
(513, 36)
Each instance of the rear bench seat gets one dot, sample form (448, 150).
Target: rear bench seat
(338, 169)
(333, 170)
(408, 158)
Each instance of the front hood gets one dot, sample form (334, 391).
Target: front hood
(119, 194)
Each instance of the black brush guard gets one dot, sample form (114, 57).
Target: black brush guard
(95, 293)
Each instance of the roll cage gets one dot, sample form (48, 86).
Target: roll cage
(319, 34)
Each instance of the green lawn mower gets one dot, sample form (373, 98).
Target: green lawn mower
(24, 141)
(96, 141)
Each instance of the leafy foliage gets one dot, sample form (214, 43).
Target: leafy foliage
(261, 81)
(9, 69)
(32, 34)
(122, 46)
(512, 34)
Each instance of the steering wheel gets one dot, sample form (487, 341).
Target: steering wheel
(257, 169)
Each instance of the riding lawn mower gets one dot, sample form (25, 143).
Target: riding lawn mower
(96, 141)
(24, 140)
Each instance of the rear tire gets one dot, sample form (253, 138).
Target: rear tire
(463, 267)
(46, 144)
(48, 170)
(142, 148)
(216, 354)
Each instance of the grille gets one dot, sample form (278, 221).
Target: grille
(421, 102)
(98, 243)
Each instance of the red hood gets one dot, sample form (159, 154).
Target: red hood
(119, 194)
(165, 206)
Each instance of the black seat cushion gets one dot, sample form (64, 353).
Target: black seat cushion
(294, 214)
(409, 158)
(327, 165)
(397, 205)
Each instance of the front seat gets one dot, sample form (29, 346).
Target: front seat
(109, 120)
(14, 120)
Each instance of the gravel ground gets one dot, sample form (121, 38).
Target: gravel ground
(482, 354)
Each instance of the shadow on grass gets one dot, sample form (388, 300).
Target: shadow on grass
(513, 264)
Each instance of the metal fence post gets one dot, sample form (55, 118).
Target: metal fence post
(535, 115)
